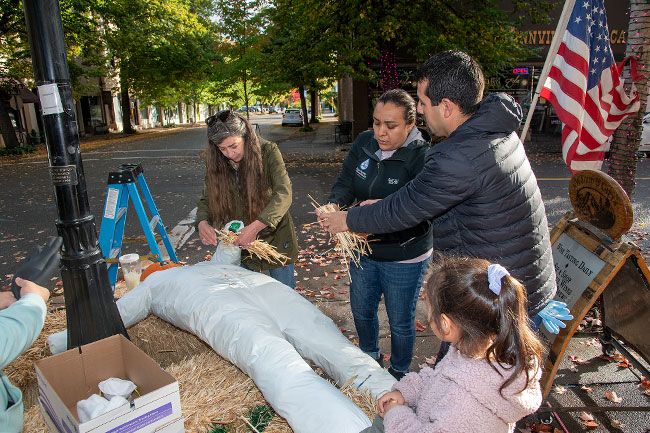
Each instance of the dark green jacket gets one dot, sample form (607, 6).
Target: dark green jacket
(280, 231)
(364, 176)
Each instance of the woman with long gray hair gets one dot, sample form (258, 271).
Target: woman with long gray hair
(246, 180)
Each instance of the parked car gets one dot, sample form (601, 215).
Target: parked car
(251, 109)
(292, 116)
(644, 145)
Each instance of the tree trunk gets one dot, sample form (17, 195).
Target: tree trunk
(313, 96)
(161, 115)
(180, 113)
(127, 128)
(7, 128)
(248, 108)
(303, 105)
(623, 159)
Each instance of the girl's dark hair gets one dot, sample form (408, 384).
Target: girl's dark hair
(252, 183)
(402, 99)
(458, 287)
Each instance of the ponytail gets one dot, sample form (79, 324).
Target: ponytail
(515, 344)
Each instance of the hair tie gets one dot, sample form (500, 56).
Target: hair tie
(495, 273)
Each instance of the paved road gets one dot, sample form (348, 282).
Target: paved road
(174, 172)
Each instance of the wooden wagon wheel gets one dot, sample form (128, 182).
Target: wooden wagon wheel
(599, 200)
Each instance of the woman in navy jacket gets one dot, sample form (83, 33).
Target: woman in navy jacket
(379, 163)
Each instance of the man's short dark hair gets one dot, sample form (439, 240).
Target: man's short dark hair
(456, 76)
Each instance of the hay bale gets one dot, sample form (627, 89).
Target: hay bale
(212, 390)
(21, 371)
(164, 342)
(34, 421)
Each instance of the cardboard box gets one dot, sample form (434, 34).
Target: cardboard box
(68, 377)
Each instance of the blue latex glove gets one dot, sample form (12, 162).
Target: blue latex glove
(553, 315)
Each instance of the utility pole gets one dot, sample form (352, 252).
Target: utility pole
(90, 307)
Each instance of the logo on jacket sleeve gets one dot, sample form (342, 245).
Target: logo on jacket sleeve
(361, 169)
(364, 164)
(392, 181)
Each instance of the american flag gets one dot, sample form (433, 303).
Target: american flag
(585, 87)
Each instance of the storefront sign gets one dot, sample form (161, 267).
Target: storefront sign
(544, 37)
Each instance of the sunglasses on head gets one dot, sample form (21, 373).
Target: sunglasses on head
(221, 116)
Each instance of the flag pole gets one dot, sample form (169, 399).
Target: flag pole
(552, 52)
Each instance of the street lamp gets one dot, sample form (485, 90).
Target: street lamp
(90, 307)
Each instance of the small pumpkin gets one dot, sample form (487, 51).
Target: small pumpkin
(157, 266)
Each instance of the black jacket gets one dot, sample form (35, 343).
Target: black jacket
(481, 192)
(364, 176)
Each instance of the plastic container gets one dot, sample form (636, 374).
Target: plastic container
(229, 254)
(131, 269)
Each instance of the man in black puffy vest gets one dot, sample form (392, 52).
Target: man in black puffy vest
(476, 186)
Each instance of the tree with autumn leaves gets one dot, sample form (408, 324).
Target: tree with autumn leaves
(84, 51)
(186, 49)
(159, 47)
(162, 51)
(215, 51)
(313, 42)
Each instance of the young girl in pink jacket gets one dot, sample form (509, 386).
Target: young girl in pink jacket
(490, 377)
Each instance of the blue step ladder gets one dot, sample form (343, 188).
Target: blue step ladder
(125, 184)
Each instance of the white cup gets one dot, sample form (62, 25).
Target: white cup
(131, 269)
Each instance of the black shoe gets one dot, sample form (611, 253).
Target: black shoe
(380, 360)
(396, 374)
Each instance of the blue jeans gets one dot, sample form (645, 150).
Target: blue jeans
(284, 275)
(400, 284)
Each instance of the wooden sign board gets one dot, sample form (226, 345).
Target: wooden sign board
(587, 262)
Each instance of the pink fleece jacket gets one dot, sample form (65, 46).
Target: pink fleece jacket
(461, 395)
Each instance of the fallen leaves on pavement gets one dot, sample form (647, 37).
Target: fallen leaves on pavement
(617, 424)
(611, 396)
(559, 389)
(644, 385)
(577, 360)
(588, 420)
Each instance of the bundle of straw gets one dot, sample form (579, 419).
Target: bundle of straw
(349, 244)
(258, 248)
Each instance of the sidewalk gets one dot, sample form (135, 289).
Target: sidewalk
(294, 143)
(97, 141)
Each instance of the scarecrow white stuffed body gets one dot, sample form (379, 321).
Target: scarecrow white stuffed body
(266, 329)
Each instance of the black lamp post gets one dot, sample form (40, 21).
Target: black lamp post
(90, 306)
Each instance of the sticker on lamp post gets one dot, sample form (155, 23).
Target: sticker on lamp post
(50, 99)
